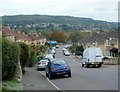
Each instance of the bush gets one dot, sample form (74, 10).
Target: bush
(32, 57)
(10, 56)
(72, 49)
(79, 53)
(24, 55)
(79, 50)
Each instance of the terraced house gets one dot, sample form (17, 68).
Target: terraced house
(18, 36)
(107, 41)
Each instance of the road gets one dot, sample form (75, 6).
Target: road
(104, 78)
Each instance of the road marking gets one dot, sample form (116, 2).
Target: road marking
(51, 82)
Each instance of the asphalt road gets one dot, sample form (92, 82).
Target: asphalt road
(104, 78)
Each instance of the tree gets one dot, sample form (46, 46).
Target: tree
(79, 50)
(75, 36)
(58, 36)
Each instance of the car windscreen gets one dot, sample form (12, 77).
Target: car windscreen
(58, 62)
(44, 61)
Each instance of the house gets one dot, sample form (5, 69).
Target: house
(37, 39)
(8, 33)
(105, 40)
(18, 36)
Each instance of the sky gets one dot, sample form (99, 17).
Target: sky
(106, 10)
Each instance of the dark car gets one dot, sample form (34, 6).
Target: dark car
(57, 67)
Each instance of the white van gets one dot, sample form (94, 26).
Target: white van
(92, 56)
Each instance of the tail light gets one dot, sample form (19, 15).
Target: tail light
(53, 69)
(66, 67)
(38, 63)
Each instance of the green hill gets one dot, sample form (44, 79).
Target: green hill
(46, 22)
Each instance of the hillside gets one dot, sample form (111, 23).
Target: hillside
(46, 22)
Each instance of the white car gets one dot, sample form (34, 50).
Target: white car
(64, 49)
(41, 65)
(53, 51)
(49, 56)
(67, 53)
(57, 46)
(53, 48)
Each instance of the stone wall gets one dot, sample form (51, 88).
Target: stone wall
(111, 61)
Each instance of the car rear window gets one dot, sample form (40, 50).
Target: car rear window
(43, 60)
(58, 62)
(98, 56)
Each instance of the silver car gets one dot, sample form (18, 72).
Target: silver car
(41, 65)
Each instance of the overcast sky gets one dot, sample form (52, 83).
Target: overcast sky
(97, 9)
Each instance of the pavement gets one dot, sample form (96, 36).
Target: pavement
(104, 78)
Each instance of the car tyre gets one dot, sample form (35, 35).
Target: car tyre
(100, 65)
(46, 75)
(38, 69)
(69, 74)
(82, 65)
(50, 76)
(87, 65)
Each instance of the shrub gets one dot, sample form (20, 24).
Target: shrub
(24, 55)
(32, 57)
(72, 49)
(10, 56)
(79, 50)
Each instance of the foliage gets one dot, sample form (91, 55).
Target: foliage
(58, 36)
(46, 22)
(75, 36)
(72, 49)
(10, 56)
(79, 50)
(32, 58)
(24, 55)
(13, 85)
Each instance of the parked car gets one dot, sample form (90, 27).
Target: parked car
(53, 51)
(66, 53)
(64, 49)
(92, 56)
(53, 48)
(49, 56)
(57, 67)
(57, 46)
(41, 65)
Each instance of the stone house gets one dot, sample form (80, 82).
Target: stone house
(36, 39)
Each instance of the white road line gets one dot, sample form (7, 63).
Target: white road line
(51, 82)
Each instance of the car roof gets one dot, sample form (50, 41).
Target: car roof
(57, 59)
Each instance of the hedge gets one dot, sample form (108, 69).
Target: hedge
(32, 57)
(79, 50)
(24, 55)
(10, 56)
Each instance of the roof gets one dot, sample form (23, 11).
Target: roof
(99, 37)
(21, 35)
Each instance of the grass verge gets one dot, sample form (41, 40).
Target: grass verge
(13, 85)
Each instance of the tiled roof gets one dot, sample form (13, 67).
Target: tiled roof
(99, 37)
(7, 31)
(36, 36)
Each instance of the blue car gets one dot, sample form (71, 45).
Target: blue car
(57, 67)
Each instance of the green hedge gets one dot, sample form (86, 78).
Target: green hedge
(79, 50)
(24, 55)
(10, 57)
(32, 58)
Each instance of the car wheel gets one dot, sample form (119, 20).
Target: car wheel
(46, 75)
(87, 65)
(69, 74)
(82, 65)
(50, 76)
(100, 65)
(37, 69)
